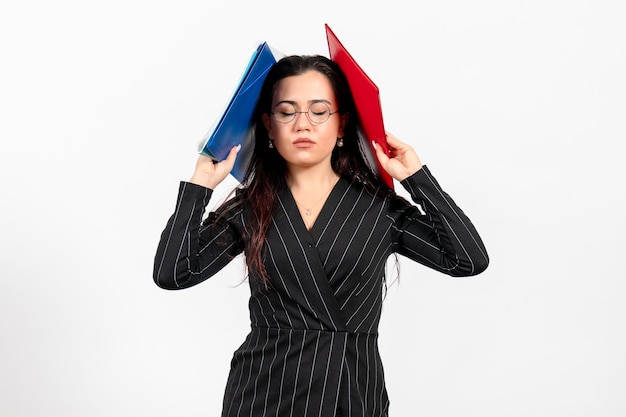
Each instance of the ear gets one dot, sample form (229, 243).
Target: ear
(266, 122)
(343, 120)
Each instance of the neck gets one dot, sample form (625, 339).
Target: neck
(311, 178)
(310, 189)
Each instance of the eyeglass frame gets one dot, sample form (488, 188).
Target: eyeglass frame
(296, 113)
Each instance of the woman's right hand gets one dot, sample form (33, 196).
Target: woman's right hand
(209, 173)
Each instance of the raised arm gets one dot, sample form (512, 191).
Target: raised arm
(189, 252)
(443, 238)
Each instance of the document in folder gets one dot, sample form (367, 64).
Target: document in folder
(234, 126)
(367, 100)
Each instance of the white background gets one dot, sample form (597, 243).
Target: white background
(518, 108)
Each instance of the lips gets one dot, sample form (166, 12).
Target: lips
(303, 143)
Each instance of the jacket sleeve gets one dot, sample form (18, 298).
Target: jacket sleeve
(189, 250)
(440, 235)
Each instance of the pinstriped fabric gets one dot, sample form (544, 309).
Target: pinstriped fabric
(312, 349)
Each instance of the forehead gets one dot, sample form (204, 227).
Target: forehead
(311, 85)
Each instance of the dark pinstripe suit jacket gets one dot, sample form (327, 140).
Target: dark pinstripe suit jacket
(312, 349)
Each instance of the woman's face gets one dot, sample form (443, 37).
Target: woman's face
(301, 142)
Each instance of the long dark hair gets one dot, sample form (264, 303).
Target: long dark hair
(266, 173)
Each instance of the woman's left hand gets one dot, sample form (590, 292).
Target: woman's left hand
(402, 161)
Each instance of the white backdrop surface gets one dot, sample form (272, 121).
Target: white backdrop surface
(516, 106)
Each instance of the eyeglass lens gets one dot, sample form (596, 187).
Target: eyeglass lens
(318, 112)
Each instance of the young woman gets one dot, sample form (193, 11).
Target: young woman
(316, 227)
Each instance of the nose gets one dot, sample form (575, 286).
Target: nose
(302, 120)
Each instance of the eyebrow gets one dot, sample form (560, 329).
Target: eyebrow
(318, 100)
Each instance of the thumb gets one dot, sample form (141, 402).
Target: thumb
(380, 154)
(232, 155)
(224, 167)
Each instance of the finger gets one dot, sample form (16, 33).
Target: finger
(204, 163)
(229, 162)
(393, 141)
(204, 158)
(380, 154)
(232, 155)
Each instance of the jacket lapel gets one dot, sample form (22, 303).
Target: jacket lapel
(312, 278)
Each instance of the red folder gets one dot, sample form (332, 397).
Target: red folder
(367, 100)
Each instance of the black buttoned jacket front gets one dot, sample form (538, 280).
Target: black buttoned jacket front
(312, 349)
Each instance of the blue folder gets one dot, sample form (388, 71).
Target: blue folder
(234, 126)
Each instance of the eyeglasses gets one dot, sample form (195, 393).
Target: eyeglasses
(318, 112)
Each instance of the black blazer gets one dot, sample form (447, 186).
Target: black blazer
(312, 349)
